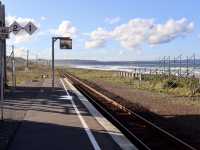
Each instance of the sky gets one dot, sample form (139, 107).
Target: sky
(107, 30)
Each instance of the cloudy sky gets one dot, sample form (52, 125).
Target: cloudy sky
(108, 29)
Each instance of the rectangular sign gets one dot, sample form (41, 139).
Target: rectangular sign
(65, 43)
(4, 32)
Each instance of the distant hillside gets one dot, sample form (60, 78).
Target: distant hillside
(18, 61)
(21, 61)
(64, 62)
(76, 62)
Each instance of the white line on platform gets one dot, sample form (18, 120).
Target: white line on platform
(86, 128)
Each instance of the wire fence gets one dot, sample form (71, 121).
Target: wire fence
(167, 75)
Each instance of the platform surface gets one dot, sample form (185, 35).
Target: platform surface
(64, 119)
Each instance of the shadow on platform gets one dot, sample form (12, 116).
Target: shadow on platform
(41, 99)
(40, 136)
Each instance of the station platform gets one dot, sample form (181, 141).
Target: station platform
(64, 119)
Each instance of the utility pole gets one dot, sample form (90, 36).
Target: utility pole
(169, 65)
(164, 63)
(13, 67)
(53, 77)
(194, 61)
(187, 66)
(180, 65)
(174, 61)
(36, 59)
(27, 59)
(2, 60)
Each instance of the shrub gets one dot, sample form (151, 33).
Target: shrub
(170, 83)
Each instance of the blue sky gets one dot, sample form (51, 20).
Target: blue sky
(96, 28)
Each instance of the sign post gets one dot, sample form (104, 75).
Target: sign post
(30, 28)
(53, 71)
(65, 43)
(13, 67)
(2, 57)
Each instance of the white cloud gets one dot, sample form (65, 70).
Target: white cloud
(65, 29)
(112, 20)
(20, 20)
(129, 35)
(134, 33)
(97, 38)
(121, 52)
(43, 18)
(170, 30)
(19, 52)
(139, 31)
(22, 36)
(94, 43)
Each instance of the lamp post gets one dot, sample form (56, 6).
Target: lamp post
(65, 43)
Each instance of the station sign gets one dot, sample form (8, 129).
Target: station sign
(30, 28)
(65, 43)
(15, 28)
(4, 32)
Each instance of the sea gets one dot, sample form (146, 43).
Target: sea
(176, 67)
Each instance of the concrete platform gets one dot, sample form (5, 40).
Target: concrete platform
(58, 120)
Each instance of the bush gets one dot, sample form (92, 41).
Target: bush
(171, 84)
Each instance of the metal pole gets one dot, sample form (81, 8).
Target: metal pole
(27, 59)
(12, 59)
(36, 59)
(13, 67)
(2, 57)
(174, 61)
(164, 64)
(187, 66)
(2, 84)
(169, 66)
(53, 71)
(175, 69)
(180, 64)
(194, 61)
(4, 49)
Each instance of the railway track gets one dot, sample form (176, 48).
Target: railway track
(143, 133)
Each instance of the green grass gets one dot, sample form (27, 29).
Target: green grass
(157, 83)
(34, 73)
